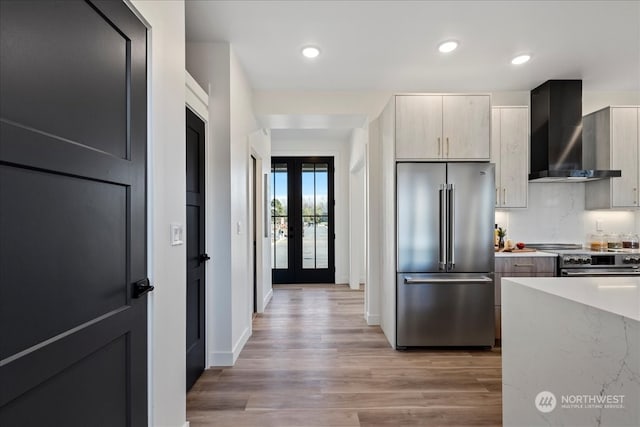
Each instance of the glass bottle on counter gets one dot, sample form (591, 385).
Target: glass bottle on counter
(614, 241)
(597, 242)
(630, 241)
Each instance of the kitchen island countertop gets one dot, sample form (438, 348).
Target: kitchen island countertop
(571, 351)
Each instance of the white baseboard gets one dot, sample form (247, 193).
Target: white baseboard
(267, 299)
(186, 424)
(228, 358)
(372, 319)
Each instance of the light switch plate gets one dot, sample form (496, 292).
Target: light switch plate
(177, 233)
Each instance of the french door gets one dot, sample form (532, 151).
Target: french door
(302, 220)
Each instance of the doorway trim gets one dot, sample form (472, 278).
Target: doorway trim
(256, 141)
(197, 100)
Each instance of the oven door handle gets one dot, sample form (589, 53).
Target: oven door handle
(600, 273)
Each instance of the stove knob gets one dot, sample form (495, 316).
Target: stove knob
(635, 260)
(585, 260)
(627, 260)
(569, 260)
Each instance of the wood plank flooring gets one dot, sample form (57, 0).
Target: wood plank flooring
(313, 361)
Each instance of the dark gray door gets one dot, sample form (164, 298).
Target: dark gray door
(73, 315)
(196, 256)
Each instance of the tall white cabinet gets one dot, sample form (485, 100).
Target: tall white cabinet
(510, 153)
(612, 136)
(442, 127)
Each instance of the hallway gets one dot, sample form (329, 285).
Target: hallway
(313, 361)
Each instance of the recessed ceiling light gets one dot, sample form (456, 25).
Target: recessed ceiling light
(519, 60)
(447, 47)
(310, 52)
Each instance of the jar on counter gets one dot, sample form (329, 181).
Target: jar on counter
(614, 241)
(597, 242)
(630, 241)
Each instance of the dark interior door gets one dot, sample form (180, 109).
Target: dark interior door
(73, 312)
(302, 218)
(196, 256)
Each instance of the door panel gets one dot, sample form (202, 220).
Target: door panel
(195, 181)
(88, 220)
(72, 214)
(104, 51)
(474, 201)
(624, 134)
(302, 215)
(419, 127)
(418, 220)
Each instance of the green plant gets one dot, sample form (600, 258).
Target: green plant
(502, 232)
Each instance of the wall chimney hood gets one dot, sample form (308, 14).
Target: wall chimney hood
(556, 135)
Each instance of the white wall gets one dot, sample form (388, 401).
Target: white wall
(243, 123)
(167, 199)
(304, 143)
(556, 214)
(357, 208)
(231, 120)
(374, 225)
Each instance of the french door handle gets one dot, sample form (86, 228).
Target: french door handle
(203, 257)
(142, 287)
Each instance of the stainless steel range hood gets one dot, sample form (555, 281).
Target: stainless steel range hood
(556, 135)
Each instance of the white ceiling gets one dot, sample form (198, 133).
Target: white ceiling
(392, 45)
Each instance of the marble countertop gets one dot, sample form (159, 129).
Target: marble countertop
(617, 295)
(525, 254)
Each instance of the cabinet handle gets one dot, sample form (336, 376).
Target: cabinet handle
(447, 146)
(523, 265)
(439, 146)
(497, 196)
(504, 196)
(635, 196)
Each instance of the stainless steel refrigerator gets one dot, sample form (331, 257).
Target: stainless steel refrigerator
(445, 255)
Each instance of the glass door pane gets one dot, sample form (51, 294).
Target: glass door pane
(315, 243)
(279, 217)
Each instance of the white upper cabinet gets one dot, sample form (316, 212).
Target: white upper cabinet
(612, 136)
(466, 121)
(443, 127)
(419, 127)
(509, 151)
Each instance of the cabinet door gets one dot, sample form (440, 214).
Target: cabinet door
(419, 127)
(514, 147)
(624, 156)
(466, 125)
(495, 149)
(525, 266)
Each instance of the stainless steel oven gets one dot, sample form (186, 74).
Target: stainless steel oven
(598, 264)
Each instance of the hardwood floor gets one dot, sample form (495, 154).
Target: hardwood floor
(313, 361)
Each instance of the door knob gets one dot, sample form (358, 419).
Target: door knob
(203, 257)
(141, 287)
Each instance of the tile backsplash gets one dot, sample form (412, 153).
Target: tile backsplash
(556, 214)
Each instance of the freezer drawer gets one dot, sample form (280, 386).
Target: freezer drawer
(445, 310)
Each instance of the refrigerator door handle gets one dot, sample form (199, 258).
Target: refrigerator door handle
(411, 281)
(451, 255)
(442, 251)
